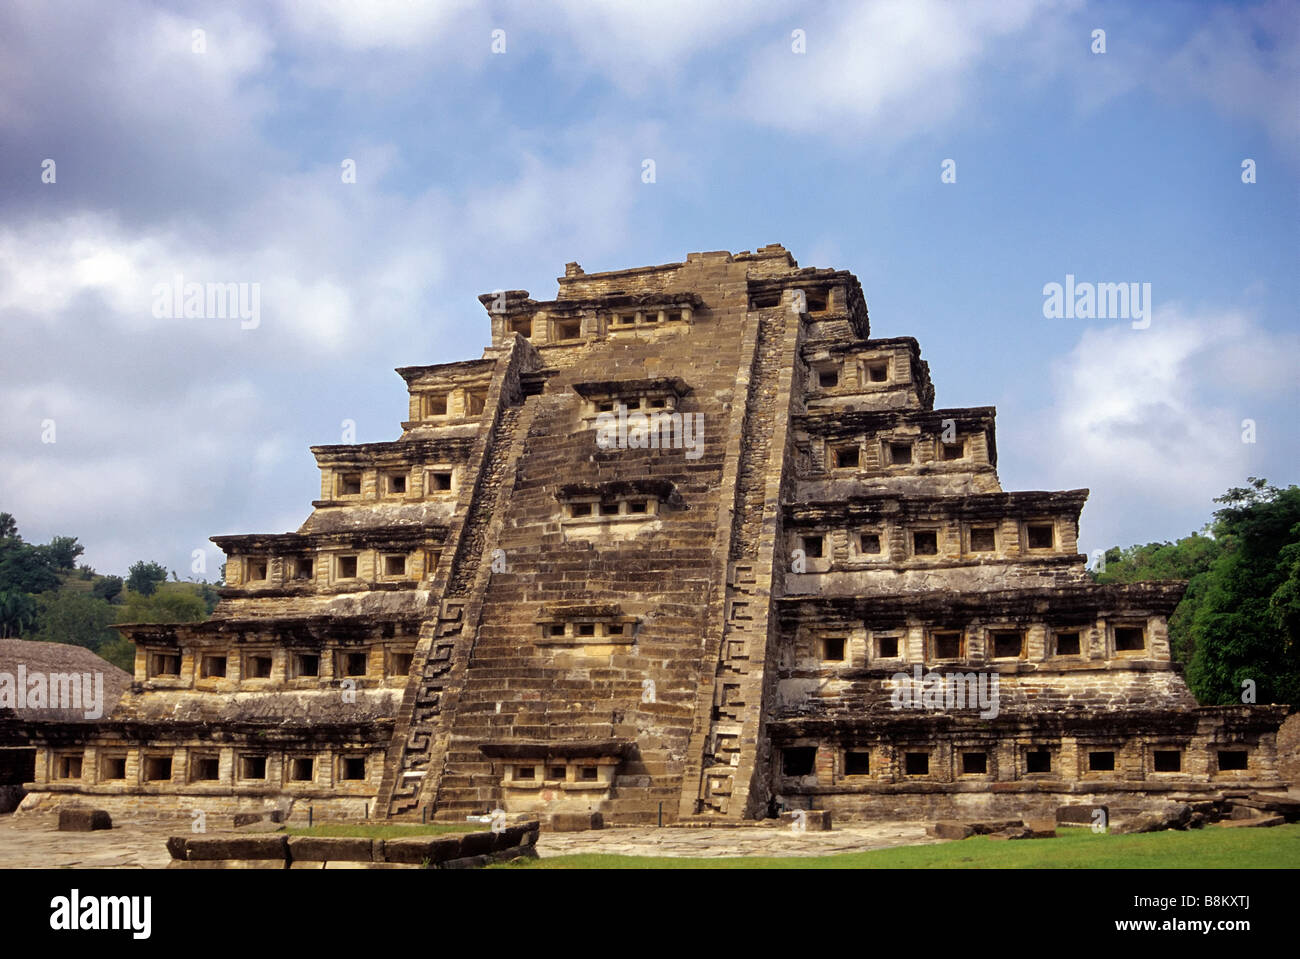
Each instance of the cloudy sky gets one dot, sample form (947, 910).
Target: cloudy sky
(219, 156)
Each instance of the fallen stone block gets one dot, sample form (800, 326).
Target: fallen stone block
(949, 830)
(1013, 832)
(201, 848)
(1041, 828)
(814, 820)
(478, 843)
(576, 821)
(1173, 816)
(322, 848)
(466, 862)
(1143, 822)
(83, 819)
(1250, 823)
(1084, 815)
(989, 827)
(176, 846)
(1287, 806)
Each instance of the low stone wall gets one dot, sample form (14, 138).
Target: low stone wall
(218, 810)
(278, 851)
(1012, 803)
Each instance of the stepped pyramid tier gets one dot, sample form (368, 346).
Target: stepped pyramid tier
(686, 542)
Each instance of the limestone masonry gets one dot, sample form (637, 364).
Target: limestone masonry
(685, 541)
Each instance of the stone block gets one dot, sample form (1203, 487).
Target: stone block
(322, 848)
(949, 830)
(1287, 806)
(576, 821)
(1013, 832)
(422, 850)
(202, 848)
(83, 819)
(478, 843)
(1251, 823)
(176, 846)
(814, 820)
(1084, 815)
(988, 827)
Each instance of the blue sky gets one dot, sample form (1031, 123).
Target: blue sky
(479, 170)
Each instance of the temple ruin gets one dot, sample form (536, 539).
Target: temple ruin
(685, 543)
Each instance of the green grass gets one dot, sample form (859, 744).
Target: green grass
(1073, 848)
(366, 831)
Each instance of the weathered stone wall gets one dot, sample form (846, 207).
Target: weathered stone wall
(656, 573)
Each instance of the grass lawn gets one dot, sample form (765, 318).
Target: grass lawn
(389, 831)
(1277, 847)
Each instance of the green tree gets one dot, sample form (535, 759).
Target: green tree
(18, 612)
(1240, 617)
(1187, 559)
(63, 552)
(120, 651)
(73, 617)
(1245, 627)
(144, 577)
(109, 588)
(165, 606)
(208, 593)
(26, 568)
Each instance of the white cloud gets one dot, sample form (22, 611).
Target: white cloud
(893, 67)
(1151, 420)
(643, 48)
(373, 24)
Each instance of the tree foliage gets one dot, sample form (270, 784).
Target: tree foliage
(143, 578)
(109, 588)
(41, 598)
(17, 613)
(74, 617)
(1240, 618)
(172, 605)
